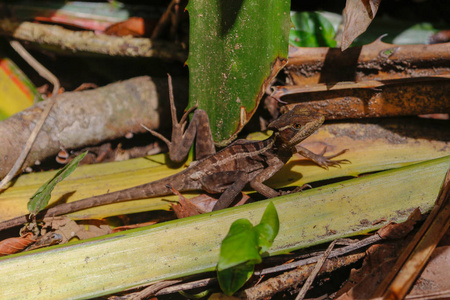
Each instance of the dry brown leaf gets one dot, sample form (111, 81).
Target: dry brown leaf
(368, 283)
(379, 260)
(88, 231)
(191, 207)
(397, 231)
(432, 281)
(200, 204)
(17, 244)
(358, 14)
(440, 37)
(294, 278)
(69, 229)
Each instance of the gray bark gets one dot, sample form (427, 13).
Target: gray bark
(79, 119)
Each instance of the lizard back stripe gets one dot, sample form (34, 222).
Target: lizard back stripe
(247, 153)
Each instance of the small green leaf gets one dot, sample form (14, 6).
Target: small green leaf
(301, 38)
(268, 228)
(239, 246)
(270, 217)
(241, 249)
(232, 279)
(40, 199)
(311, 30)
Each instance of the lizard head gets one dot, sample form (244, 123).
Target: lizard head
(296, 125)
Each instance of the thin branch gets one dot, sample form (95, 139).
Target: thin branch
(293, 278)
(43, 71)
(152, 290)
(187, 286)
(319, 265)
(338, 252)
(53, 80)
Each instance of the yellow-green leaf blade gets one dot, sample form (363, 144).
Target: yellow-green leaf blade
(188, 246)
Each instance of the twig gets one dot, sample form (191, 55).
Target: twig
(314, 273)
(168, 287)
(43, 71)
(53, 80)
(292, 278)
(152, 290)
(338, 252)
(187, 286)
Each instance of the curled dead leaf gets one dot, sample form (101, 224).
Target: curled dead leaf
(17, 244)
(357, 17)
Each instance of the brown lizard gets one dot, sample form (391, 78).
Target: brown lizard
(227, 171)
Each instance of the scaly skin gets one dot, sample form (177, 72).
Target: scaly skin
(218, 172)
(226, 171)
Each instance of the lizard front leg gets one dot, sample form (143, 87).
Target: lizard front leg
(257, 184)
(182, 140)
(320, 159)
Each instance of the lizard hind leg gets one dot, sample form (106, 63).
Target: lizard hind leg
(173, 112)
(182, 140)
(198, 128)
(231, 192)
(229, 183)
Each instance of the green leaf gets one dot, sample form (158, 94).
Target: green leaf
(302, 39)
(239, 246)
(311, 30)
(236, 48)
(268, 228)
(232, 279)
(241, 249)
(416, 34)
(40, 199)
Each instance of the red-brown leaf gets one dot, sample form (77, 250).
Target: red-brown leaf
(134, 26)
(15, 245)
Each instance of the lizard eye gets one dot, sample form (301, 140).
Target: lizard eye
(297, 126)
